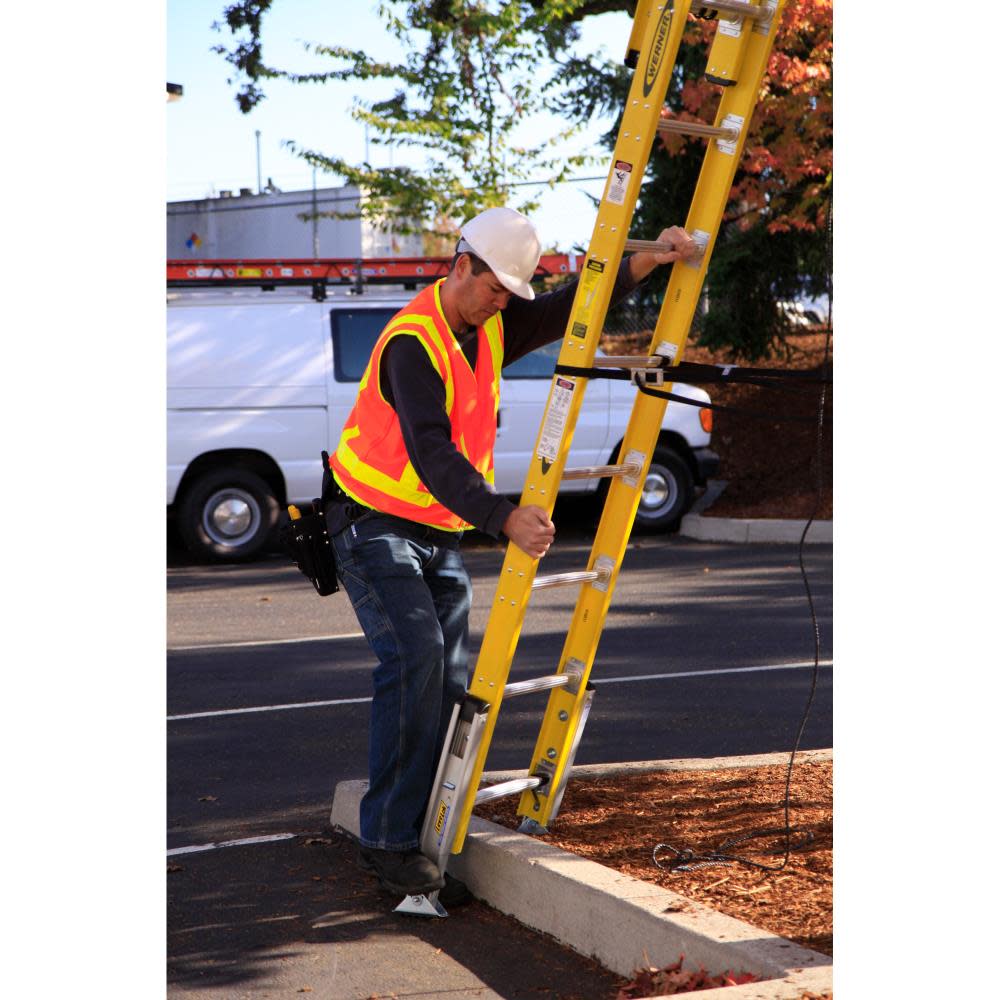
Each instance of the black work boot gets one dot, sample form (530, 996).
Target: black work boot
(408, 872)
(455, 893)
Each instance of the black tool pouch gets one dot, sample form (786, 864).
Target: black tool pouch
(306, 540)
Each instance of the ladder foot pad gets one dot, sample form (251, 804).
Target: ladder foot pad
(422, 906)
(532, 828)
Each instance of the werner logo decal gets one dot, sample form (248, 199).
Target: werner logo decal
(439, 822)
(659, 45)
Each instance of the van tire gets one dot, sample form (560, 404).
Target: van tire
(228, 514)
(667, 493)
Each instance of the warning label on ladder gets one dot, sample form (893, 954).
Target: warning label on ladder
(555, 419)
(621, 174)
(589, 281)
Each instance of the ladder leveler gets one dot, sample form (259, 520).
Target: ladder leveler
(736, 61)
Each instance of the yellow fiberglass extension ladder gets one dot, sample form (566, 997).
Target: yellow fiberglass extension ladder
(736, 61)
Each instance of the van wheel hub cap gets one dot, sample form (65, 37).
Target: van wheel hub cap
(231, 516)
(655, 490)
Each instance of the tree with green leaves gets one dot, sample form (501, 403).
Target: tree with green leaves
(470, 77)
(475, 69)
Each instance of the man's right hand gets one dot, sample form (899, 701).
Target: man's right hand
(530, 529)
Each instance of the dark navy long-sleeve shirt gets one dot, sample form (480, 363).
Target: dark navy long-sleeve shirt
(414, 389)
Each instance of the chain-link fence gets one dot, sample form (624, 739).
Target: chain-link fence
(638, 315)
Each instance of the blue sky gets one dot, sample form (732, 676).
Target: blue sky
(211, 145)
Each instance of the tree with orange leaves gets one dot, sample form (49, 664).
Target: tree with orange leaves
(774, 243)
(785, 176)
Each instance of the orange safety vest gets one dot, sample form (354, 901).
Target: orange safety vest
(371, 463)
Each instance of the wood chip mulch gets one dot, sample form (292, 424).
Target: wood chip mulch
(617, 821)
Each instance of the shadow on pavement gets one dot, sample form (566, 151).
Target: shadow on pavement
(300, 916)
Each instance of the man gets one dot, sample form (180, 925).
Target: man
(415, 464)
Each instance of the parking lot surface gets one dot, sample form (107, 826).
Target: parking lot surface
(707, 651)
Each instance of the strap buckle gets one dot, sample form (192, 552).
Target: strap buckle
(647, 376)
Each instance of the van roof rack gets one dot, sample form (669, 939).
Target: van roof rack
(319, 273)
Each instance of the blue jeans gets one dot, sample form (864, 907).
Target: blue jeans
(412, 595)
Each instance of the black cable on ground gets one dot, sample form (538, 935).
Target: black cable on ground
(685, 859)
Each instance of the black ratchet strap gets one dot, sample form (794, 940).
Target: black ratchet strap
(706, 374)
(696, 374)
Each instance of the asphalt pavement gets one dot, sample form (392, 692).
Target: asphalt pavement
(707, 651)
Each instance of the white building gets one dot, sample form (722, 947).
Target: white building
(269, 225)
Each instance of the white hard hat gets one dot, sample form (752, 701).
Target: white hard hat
(507, 242)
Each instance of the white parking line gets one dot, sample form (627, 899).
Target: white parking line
(231, 843)
(268, 708)
(708, 673)
(605, 680)
(265, 642)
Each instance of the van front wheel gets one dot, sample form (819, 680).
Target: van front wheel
(228, 514)
(667, 492)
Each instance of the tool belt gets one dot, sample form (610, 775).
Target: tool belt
(304, 536)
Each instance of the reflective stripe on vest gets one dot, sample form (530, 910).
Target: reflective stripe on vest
(371, 462)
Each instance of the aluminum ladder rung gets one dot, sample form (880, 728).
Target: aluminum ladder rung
(672, 125)
(629, 360)
(514, 787)
(735, 7)
(536, 684)
(647, 246)
(601, 575)
(601, 471)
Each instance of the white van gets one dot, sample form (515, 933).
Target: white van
(260, 382)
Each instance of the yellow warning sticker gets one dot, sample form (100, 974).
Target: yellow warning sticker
(589, 280)
(439, 821)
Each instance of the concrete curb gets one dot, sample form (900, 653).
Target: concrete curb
(747, 529)
(622, 922)
(754, 529)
